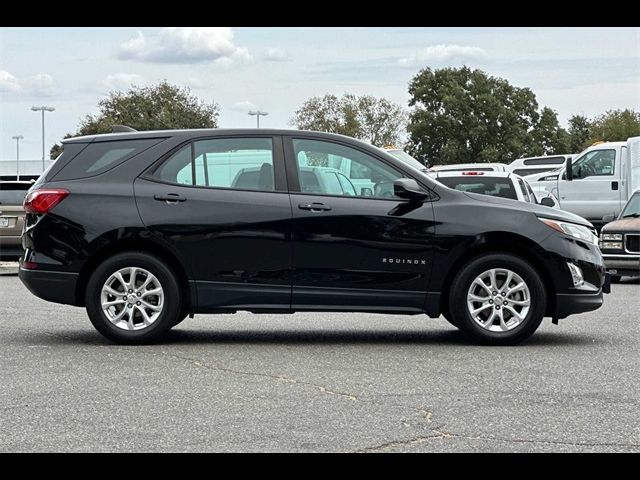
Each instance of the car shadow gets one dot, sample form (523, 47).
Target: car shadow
(187, 335)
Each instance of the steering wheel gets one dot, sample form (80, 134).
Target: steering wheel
(587, 170)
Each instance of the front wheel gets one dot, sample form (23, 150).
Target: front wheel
(133, 298)
(497, 299)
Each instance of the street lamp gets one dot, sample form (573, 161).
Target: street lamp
(258, 113)
(17, 138)
(43, 109)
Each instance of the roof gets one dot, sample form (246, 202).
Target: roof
(200, 132)
(470, 166)
(474, 173)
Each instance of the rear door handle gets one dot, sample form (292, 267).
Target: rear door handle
(170, 198)
(314, 207)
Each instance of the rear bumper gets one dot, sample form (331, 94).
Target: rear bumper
(59, 287)
(10, 246)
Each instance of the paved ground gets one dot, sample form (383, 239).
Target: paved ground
(317, 382)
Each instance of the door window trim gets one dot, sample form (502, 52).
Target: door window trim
(291, 166)
(279, 169)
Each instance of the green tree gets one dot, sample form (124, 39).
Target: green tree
(376, 120)
(463, 115)
(579, 133)
(156, 107)
(548, 137)
(615, 126)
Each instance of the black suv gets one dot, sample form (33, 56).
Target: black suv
(147, 228)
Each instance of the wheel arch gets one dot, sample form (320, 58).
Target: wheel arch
(503, 242)
(136, 245)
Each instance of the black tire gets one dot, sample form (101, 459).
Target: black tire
(616, 278)
(458, 299)
(171, 311)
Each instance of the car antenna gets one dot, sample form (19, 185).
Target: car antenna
(122, 129)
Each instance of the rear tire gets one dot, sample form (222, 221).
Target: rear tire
(133, 298)
(507, 309)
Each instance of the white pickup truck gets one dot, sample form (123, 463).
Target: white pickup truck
(601, 179)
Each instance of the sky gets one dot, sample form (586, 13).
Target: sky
(572, 70)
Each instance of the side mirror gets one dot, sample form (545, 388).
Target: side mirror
(569, 169)
(608, 218)
(366, 192)
(408, 188)
(548, 202)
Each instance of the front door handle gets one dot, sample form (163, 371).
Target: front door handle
(614, 185)
(170, 198)
(314, 207)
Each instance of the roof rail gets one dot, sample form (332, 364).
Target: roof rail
(122, 129)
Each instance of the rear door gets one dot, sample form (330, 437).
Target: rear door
(222, 204)
(357, 249)
(595, 188)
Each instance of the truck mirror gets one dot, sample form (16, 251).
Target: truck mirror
(608, 218)
(548, 202)
(569, 169)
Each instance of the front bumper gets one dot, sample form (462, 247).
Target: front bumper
(570, 304)
(59, 287)
(622, 264)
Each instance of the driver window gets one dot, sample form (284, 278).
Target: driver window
(321, 164)
(595, 164)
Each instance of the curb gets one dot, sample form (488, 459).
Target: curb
(8, 268)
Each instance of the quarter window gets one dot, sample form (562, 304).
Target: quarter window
(334, 169)
(239, 163)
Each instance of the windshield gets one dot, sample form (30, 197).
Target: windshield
(494, 186)
(632, 209)
(406, 158)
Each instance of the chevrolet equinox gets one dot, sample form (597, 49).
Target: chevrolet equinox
(146, 228)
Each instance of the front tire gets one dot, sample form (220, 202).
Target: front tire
(133, 298)
(497, 299)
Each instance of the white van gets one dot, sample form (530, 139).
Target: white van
(530, 165)
(600, 181)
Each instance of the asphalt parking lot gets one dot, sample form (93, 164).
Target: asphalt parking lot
(317, 382)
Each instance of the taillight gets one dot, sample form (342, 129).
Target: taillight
(42, 201)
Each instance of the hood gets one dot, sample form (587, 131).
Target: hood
(538, 210)
(623, 225)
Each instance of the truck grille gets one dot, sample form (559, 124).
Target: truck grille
(632, 242)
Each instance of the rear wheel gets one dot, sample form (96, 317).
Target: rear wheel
(133, 298)
(497, 299)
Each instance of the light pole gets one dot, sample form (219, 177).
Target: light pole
(43, 109)
(17, 138)
(258, 113)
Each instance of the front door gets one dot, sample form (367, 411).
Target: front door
(222, 205)
(355, 245)
(595, 188)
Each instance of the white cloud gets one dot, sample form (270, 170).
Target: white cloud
(444, 53)
(39, 85)
(185, 45)
(244, 106)
(276, 55)
(122, 81)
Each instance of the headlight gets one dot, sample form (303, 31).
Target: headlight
(571, 229)
(612, 236)
(611, 245)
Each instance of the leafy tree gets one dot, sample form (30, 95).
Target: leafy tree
(156, 107)
(579, 133)
(548, 137)
(463, 115)
(376, 120)
(615, 126)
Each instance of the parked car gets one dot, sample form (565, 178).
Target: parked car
(465, 167)
(12, 195)
(600, 181)
(497, 184)
(145, 228)
(620, 241)
(537, 165)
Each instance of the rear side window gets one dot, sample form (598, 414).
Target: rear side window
(496, 187)
(240, 163)
(99, 157)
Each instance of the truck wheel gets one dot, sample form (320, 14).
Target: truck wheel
(497, 299)
(133, 298)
